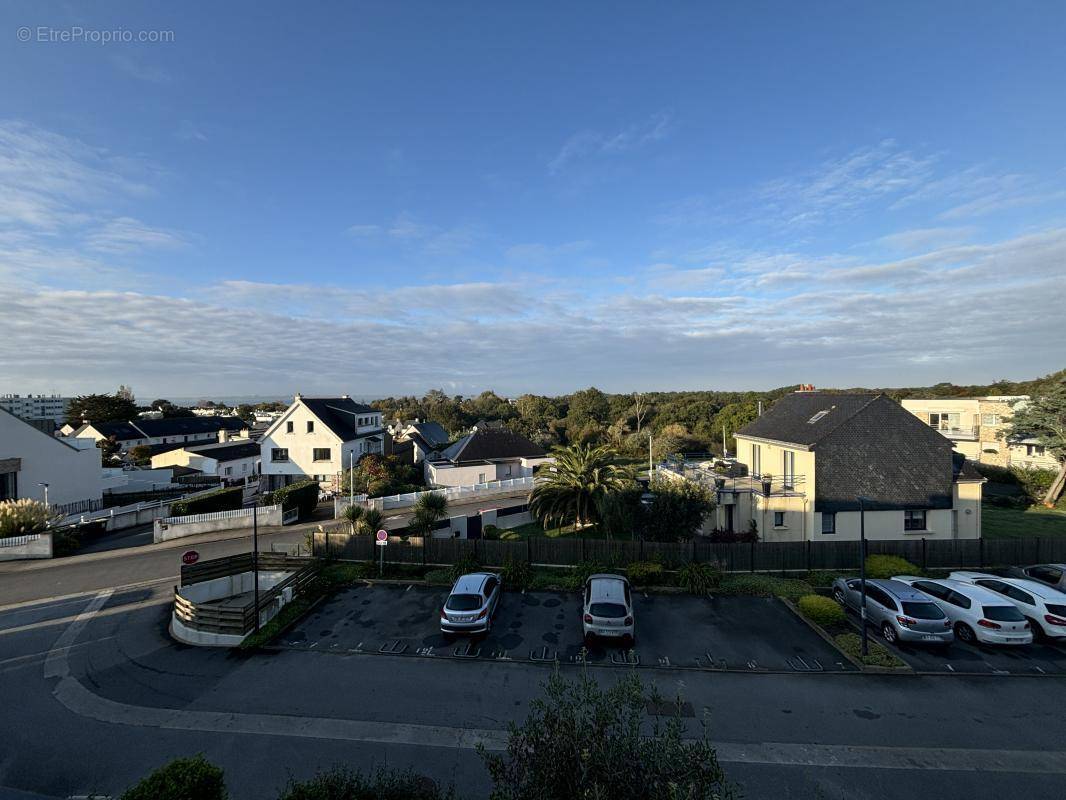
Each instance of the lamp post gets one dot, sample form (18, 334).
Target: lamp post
(255, 559)
(45, 485)
(862, 570)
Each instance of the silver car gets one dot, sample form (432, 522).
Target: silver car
(1053, 575)
(900, 612)
(608, 609)
(471, 604)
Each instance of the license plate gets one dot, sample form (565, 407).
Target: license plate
(608, 632)
(930, 638)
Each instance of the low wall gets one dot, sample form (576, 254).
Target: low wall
(166, 530)
(219, 589)
(21, 548)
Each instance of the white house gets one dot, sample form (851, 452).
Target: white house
(488, 453)
(231, 459)
(30, 458)
(319, 437)
(415, 441)
(170, 430)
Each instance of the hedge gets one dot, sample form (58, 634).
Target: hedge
(218, 500)
(882, 566)
(820, 610)
(302, 495)
(181, 779)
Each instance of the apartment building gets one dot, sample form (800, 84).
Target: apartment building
(978, 428)
(319, 437)
(36, 406)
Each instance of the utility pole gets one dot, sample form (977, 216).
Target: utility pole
(725, 450)
(862, 572)
(255, 560)
(651, 465)
(351, 477)
(45, 485)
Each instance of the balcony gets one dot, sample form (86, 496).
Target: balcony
(766, 485)
(958, 434)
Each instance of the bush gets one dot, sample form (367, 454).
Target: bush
(751, 584)
(23, 517)
(344, 784)
(440, 577)
(879, 655)
(645, 573)
(218, 500)
(468, 563)
(302, 495)
(182, 779)
(490, 532)
(722, 536)
(574, 579)
(699, 579)
(881, 566)
(517, 573)
(1034, 482)
(821, 610)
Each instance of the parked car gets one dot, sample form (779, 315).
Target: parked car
(900, 612)
(977, 614)
(471, 604)
(608, 609)
(1053, 575)
(1044, 607)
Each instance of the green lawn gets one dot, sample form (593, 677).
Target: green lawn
(1014, 523)
(532, 529)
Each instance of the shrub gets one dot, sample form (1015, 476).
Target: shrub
(440, 577)
(644, 573)
(385, 784)
(1034, 482)
(23, 517)
(490, 532)
(881, 566)
(722, 536)
(182, 779)
(574, 579)
(468, 563)
(517, 573)
(821, 610)
(302, 495)
(700, 579)
(218, 500)
(879, 655)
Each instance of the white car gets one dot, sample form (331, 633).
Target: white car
(608, 609)
(1044, 607)
(977, 614)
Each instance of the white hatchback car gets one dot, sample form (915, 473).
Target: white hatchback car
(608, 609)
(977, 614)
(1044, 607)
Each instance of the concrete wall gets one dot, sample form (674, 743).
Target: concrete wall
(37, 547)
(72, 474)
(218, 589)
(164, 531)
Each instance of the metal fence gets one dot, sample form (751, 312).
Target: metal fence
(781, 557)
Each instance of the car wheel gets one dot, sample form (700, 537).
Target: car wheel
(964, 633)
(1038, 632)
(838, 595)
(889, 633)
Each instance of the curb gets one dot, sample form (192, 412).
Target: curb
(873, 670)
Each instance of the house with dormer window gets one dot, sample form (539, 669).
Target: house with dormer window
(320, 437)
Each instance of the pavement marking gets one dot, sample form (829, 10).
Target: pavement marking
(80, 700)
(46, 623)
(30, 659)
(81, 595)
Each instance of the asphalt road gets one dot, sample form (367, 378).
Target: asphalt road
(95, 694)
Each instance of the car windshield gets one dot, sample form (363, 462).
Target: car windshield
(1058, 611)
(608, 610)
(923, 611)
(1002, 614)
(463, 602)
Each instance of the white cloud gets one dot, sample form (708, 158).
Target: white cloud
(921, 238)
(588, 143)
(127, 235)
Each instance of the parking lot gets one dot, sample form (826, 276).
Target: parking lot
(1038, 658)
(750, 634)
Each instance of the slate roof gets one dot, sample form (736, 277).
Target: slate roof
(185, 426)
(336, 414)
(118, 430)
(227, 451)
(492, 443)
(866, 445)
(432, 433)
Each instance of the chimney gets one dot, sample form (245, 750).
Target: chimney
(223, 436)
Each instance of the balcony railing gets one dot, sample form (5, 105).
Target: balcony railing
(956, 433)
(766, 485)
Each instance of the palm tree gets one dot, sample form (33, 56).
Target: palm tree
(370, 521)
(430, 508)
(353, 514)
(572, 487)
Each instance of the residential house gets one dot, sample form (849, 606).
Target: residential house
(166, 431)
(490, 452)
(232, 460)
(979, 427)
(319, 437)
(812, 455)
(414, 441)
(30, 458)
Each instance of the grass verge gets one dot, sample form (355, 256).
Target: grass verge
(878, 654)
(999, 522)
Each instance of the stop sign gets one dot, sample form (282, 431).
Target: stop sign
(190, 557)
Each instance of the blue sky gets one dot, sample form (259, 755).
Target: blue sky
(385, 198)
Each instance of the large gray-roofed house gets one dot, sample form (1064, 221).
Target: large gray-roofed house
(487, 453)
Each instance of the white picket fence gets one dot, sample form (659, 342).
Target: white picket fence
(190, 519)
(16, 541)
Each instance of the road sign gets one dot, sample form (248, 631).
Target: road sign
(190, 557)
(382, 538)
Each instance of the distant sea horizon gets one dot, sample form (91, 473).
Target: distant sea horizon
(250, 399)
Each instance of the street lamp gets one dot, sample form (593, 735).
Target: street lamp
(45, 485)
(255, 559)
(862, 568)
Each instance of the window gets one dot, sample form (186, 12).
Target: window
(320, 454)
(788, 468)
(914, 519)
(290, 426)
(829, 522)
(228, 471)
(310, 426)
(779, 519)
(1050, 575)
(1014, 593)
(490, 587)
(960, 600)
(756, 460)
(933, 589)
(9, 486)
(995, 586)
(481, 477)
(817, 417)
(279, 453)
(990, 419)
(1034, 450)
